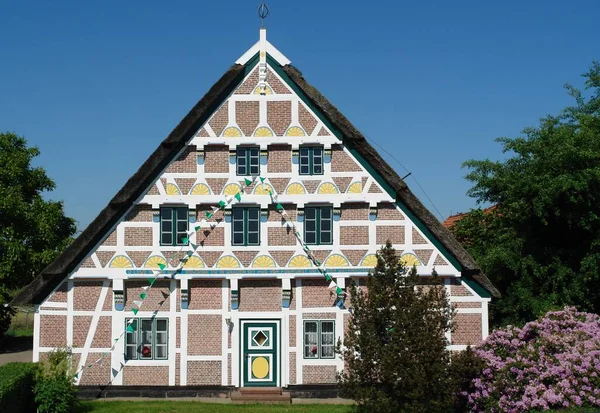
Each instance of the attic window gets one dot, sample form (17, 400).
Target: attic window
(173, 225)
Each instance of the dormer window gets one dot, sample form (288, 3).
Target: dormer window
(311, 160)
(248, 160)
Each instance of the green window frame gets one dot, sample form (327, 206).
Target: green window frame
(149, 339)
(245, 226)
(247, 160)
(311, 160)
(318, 225)
(173, 225)
(319, 339)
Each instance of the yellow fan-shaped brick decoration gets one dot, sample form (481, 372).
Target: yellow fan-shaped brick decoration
(262, 189)
(121, 261)
(410, 259)
(232, 132)
(194, 262)
(200, 189)
(228, 262)
(263, 261)
(263, 132)
(172, 189)
(267, 91)
(299, 261)
(327, 188)
(232, 189)
(295, 189)
(355, 188)
(336, 260)
(369, 261)
(154, 260)
(295, 131)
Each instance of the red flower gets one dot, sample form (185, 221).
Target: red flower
(314, 349)
(146, 351)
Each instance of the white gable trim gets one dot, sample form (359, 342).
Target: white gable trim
(271, 50)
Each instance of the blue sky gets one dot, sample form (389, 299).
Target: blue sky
(97, 85)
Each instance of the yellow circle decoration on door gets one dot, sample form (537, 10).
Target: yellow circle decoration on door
(260, 367)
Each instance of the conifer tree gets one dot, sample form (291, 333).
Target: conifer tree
(395, 347)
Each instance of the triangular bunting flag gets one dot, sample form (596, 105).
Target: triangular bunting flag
(185, 240)
(279, 207)
(338, 290)
(161, 266)
(208, 215)
(137, 303)
(215, 209)
(151, 281)
(238, 196)
(116, 339)
(189, 253)
(194, 246)
(332, 284)
(76, 375)
(222, 204)
(262, 180)
(247, 182)
(130, 329)
(114, 372)
(146, 288)
(135, 310)
(327, 277)
(143, 296)
(270, 192)
(197, 227)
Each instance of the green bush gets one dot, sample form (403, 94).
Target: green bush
(54, 389)
(16, 387)
(464, 367)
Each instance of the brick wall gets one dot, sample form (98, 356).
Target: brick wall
(280, 159)
(275, 216)
(466, 305)
(316, 294)
(99, 373)
(185, 163)
(216, 237)
(281, 236)
(220, 119)
(204, 335)
(358, 211)
(457, 289)
(205, 295)
(306, 119)
(260, 295)
(279, 116)
(146, 376)
(158, 297)
(140, 213)
(341, 161)
(467, 329)
(318, 374)
(354, 256)
(249, 84)
(276, 84)
(279, 184)
(246, 116)
(103, 335)
(216, 185)
(60, 295)
(216, 159)
(86, 295)
(81, 327)
(387, 210)
(111, 240)
(292, 335)
(138, 236)
(204, 373)
(354, 235)
(53, 330)
(393, 233)
(292, 368)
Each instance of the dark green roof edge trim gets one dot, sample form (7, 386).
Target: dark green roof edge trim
(388, 189)
(477, 287)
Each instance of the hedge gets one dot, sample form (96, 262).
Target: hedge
(16, 387)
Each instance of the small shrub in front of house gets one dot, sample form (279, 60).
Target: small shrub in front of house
(16, 387)
(551, 363)
(54, 389)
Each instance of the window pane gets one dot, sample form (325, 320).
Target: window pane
(241, 169)
(327, 339)
(327, 326)
(310, 213)
(253, 238)
(238, 213)
(130, 353)
(161, 338)
(310, 238)
(182, 213)
(317, 160)
(326, 213)
(167, 238)
(167, 226)
(317, 169)
(310, 340)
(304, 170)
(161, 325)
(182, 226)
(253, 226)
(238, 238)
(253, 213)
(166, 213)
(161, 352)
(325, 237)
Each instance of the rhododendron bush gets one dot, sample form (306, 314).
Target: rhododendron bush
(550, 363)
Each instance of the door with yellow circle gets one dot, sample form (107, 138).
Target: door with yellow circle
(259, 355)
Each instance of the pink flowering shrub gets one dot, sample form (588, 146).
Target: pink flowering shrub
(551, 363)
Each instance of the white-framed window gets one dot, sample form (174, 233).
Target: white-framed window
(245, 228)
(319, 339)
(248, 160)
(147, 339)
(173, 225)
(318, 225)
(311, 160)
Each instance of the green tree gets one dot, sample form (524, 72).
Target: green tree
(541, 244)
(33, 231)
(395, 348)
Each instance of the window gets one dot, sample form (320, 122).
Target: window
(248, 160)
(173, 225)
(148, 341)
(318, 225)
(319, 339)
(311, 160)
(245, 229)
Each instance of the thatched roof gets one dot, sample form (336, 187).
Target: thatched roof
(56, 272)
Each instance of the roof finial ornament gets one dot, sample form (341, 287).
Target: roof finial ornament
(263, 12)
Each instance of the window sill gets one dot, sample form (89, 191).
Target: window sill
(147, 362)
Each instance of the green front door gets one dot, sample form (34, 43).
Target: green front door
(259, 355)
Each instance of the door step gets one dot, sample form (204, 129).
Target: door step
(266, 395)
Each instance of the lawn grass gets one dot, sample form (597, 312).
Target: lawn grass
(174, 406)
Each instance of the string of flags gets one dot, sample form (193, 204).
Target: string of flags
(137, 304)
